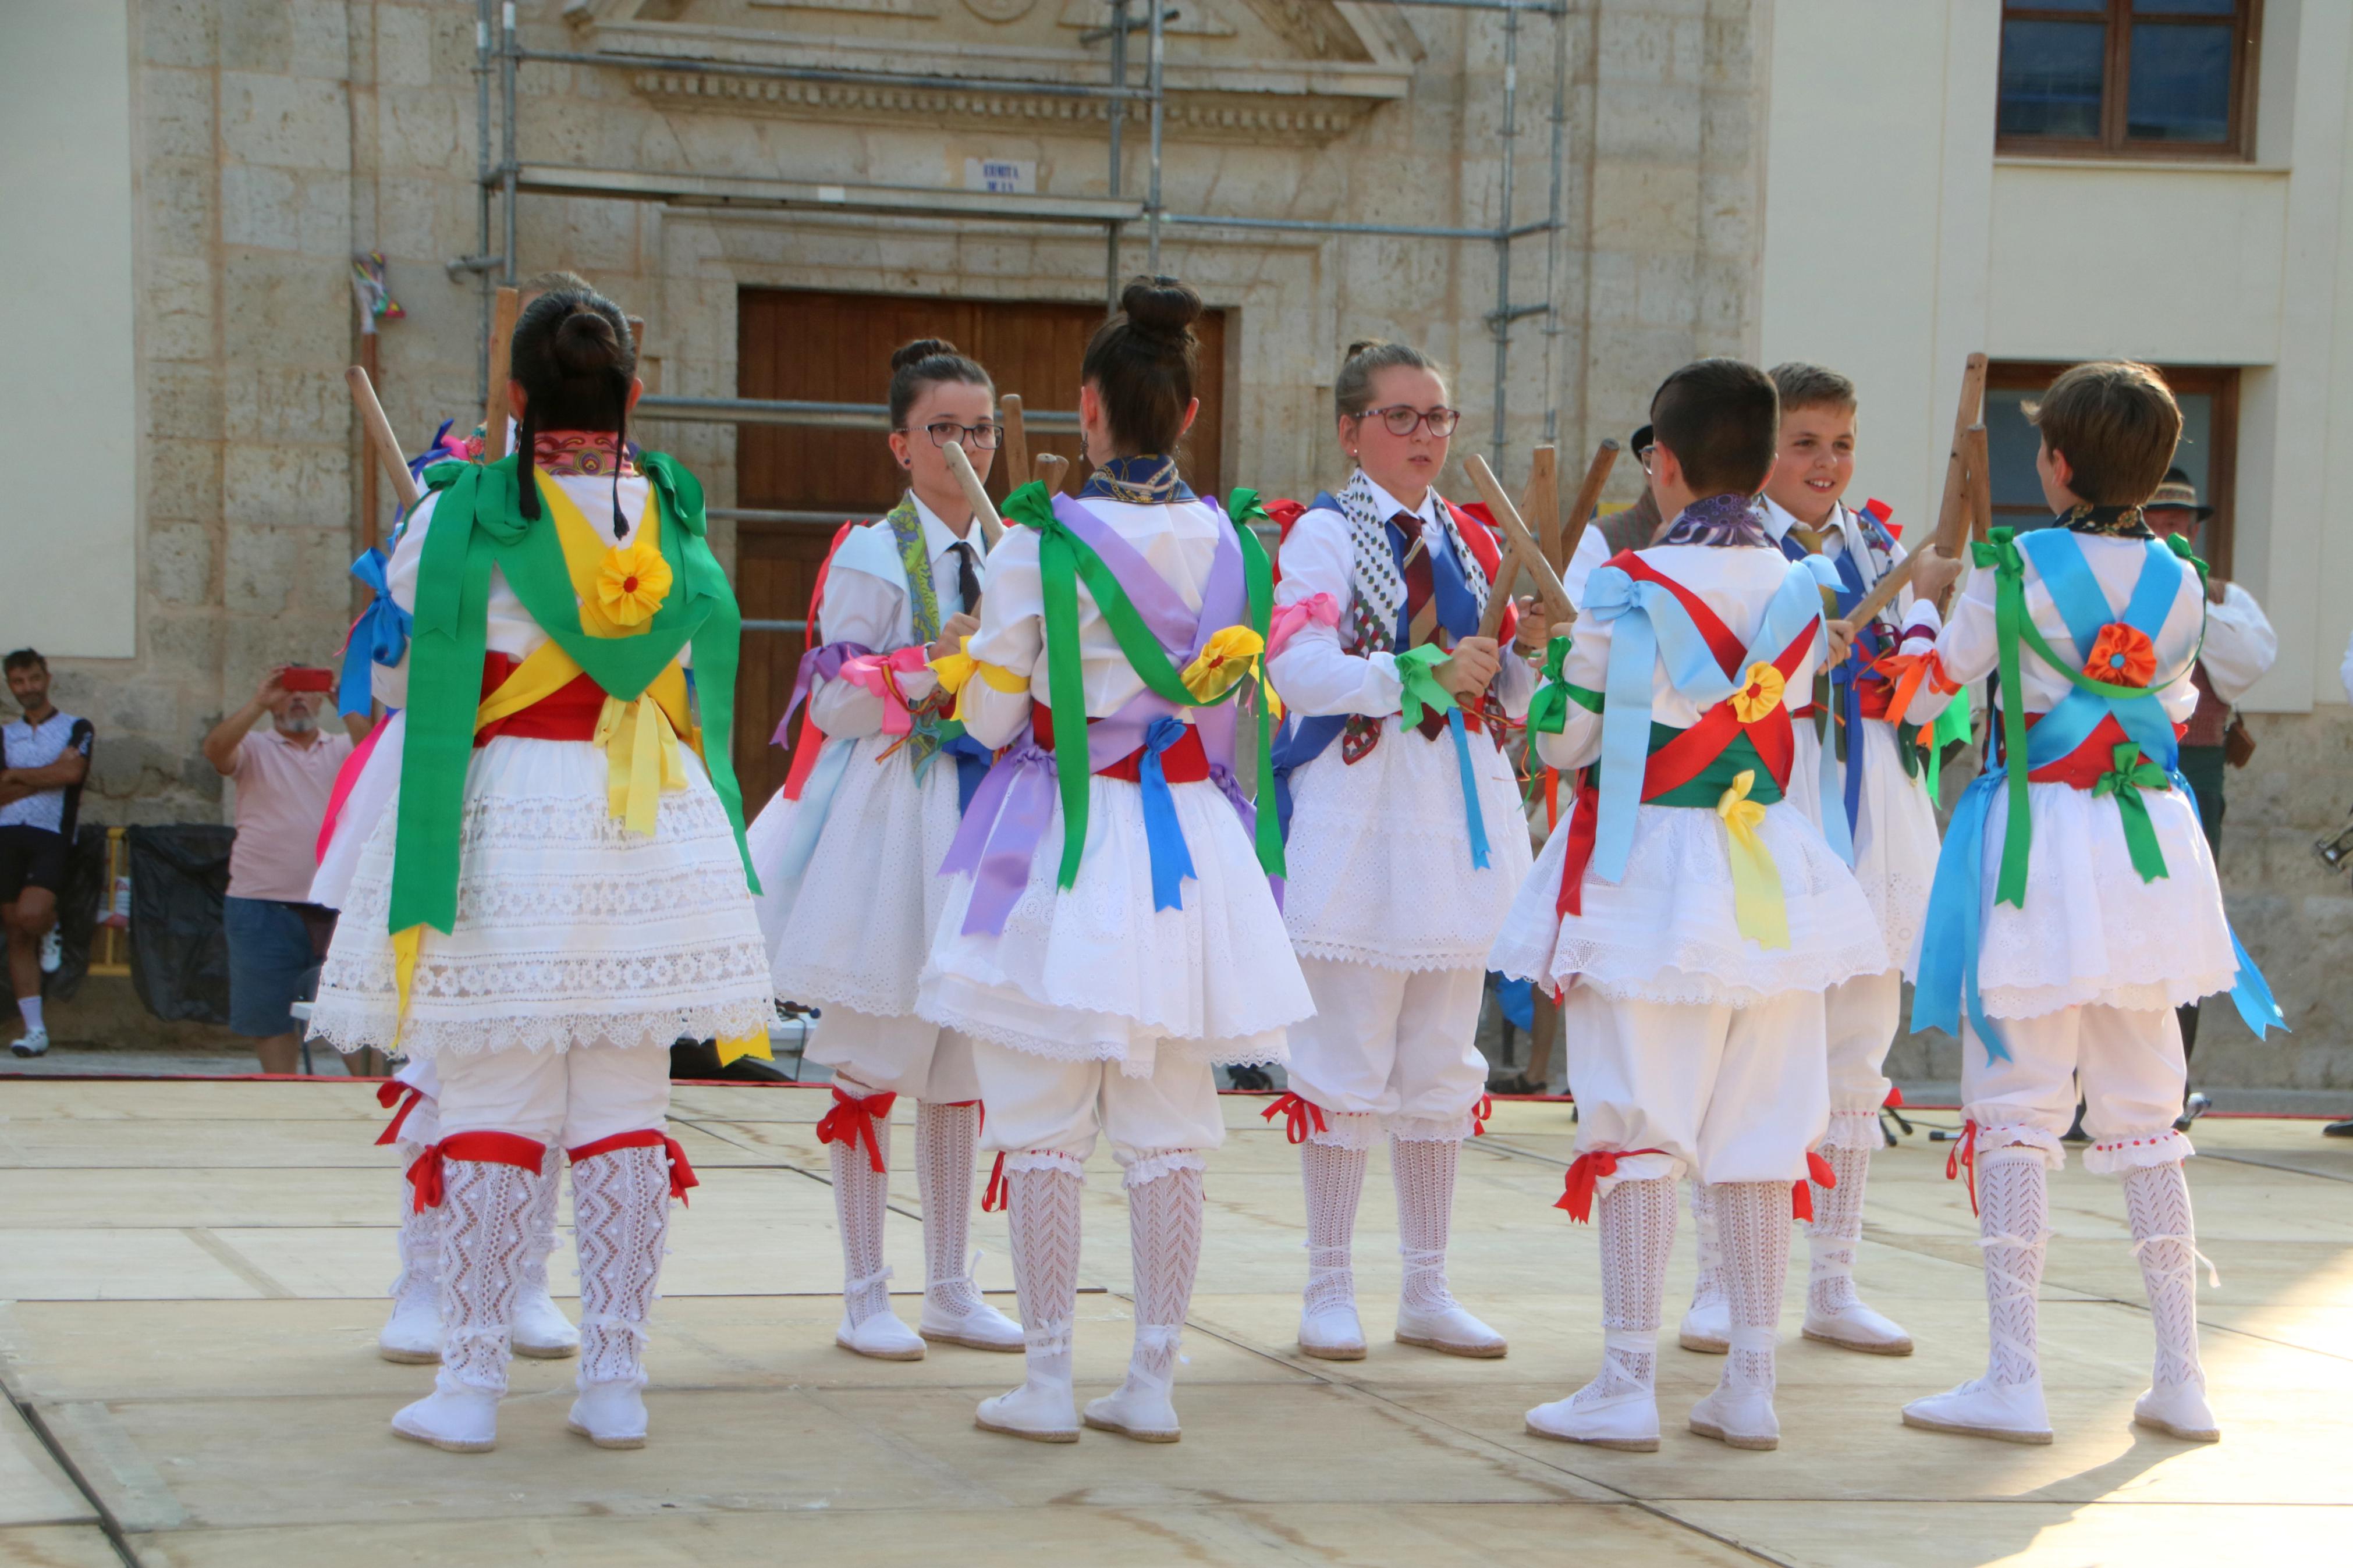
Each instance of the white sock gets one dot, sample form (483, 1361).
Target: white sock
(2156, 1201)
(1334, 1178)
(30, 1007)
(1423, 1171)
(1707, 1289)
(1638, 1234)
(2013, 1226)
(945, 1137)
(1753, 1225)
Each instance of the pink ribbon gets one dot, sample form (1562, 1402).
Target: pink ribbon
(879, 673)
(1317, 609)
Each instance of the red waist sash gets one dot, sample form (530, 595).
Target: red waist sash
(570, 714)
(1184, 763)
(2088, 764)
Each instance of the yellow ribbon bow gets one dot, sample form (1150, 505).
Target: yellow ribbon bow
(956, 670)
(1758, 909)
(642, 759)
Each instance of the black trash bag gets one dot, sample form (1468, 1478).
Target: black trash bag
(79, 903)
(179, 946)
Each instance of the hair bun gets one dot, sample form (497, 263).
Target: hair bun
(1360, 345)
(1160, 306)
(921, 350)
(585, 342)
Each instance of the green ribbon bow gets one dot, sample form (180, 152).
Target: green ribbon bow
(477, 527)
(1548, 708)
(1420, 687)
(1064, 560)
(2132, 774)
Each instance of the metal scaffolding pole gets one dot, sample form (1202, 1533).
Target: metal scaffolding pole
(482, 181)
(1154, 90)
(1502, 319)
(1553, 230)
(1118, 129)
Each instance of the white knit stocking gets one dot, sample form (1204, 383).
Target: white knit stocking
(485, 1234)
(546, 1189)
(860, 1196)
(419, 1239)
(1638, 1237)
(2156, 1201)
(1837, 1230)
(1424, 1173)
(1164, 1228)
(1753, 1222)
(945, 1137)
(1334, 1178)
(620, 1219)
(1042, 1212)
(1708, 1289)
(2013, 1228)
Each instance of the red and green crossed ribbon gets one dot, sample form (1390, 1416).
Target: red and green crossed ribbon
(1064, 559)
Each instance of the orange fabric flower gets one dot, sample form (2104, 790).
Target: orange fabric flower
(2121, 656)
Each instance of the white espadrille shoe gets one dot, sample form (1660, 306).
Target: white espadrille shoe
(610, 1414)
(2006, 1411)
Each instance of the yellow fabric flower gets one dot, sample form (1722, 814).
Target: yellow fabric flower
(1759, 694)
(1226, 659)
(631, 585)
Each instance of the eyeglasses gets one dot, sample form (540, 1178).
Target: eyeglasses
(979, 438)
(1642, 456)
(1404, 419)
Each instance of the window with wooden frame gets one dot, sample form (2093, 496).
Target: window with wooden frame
(2208, 453)
(2127, 79)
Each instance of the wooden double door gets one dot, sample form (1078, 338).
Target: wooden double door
(836, 348)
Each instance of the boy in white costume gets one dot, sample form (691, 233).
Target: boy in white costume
(1112, 934)
(848, 854)
(2075, 904)
(558, 890)
(1692, 914)
(1867, 791)
(1403, 845)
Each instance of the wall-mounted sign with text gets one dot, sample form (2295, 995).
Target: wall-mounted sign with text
(1004, 176)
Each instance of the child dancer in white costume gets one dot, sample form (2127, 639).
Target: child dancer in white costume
(2075, 904)
(556, 894)
(1111, 935)
(1404, 845)
(849, 855)
(1866, 788)
(1693, 914)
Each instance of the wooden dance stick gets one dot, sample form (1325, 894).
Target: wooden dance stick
(1046, 468)
(1588, 496)
(380, 438)
(494, 411)
(1980, 483)
(1016, 441)
(992, 527)
(1540, 503)
(1516, 540)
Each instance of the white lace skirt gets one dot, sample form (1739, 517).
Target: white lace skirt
(1895, 839)
(571, 930)
(1379, 855)
(1666, 933)
(2092, 931)
(854, 928)
(1096, 973)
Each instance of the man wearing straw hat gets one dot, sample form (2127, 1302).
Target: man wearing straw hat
(2239, 649)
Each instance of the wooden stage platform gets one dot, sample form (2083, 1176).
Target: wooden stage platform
(192, 1275)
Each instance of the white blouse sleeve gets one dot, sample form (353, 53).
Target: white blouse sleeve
(862, 608)
(2240, 646)
(1316, 676)
(1012, 636)
(1591, 551)
(1586, 666)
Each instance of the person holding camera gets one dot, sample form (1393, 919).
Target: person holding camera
(284, 775)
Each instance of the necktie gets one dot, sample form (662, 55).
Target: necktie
(967, 579)
(1418, 590)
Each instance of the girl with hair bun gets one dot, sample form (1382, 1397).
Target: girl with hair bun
(848, 854)
(1406, 841)
(559, 891)
(1111, 932)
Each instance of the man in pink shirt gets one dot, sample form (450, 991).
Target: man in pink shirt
(284, 775)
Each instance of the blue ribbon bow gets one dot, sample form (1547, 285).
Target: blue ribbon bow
(1172, 862)
(379, 637)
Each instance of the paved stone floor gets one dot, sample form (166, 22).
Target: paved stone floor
(191, 1277)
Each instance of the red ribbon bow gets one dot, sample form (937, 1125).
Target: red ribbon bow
(425, 1172)
(681, 1175)
(853, 1119)
(392, 1089)
(1298, 1115)
(1585, 1175)
(1963, 1157)
(994, 1197)
(1801, 1194)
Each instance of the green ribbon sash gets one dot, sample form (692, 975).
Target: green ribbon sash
(2132, 774)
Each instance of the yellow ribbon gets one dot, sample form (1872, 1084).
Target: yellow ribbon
(956, 670)
(404, 971)
(746, 1045)
(642, 759)
(1758, 909)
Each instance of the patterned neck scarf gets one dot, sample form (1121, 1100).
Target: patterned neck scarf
(1147, 478)
(589, 452)
(1379, 586)
(2105, 522)
(1723, 521)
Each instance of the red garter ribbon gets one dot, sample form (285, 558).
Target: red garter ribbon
(1895, 1096)
(681, 1175)
(1585, 1175)
(1479, 1114)
(484, 1148)
(392, 1089)
(994, 1197)
(1298, 1115)
(853, 1119)
(1963, 1157)
(1801, 1194)
(976, 1105)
